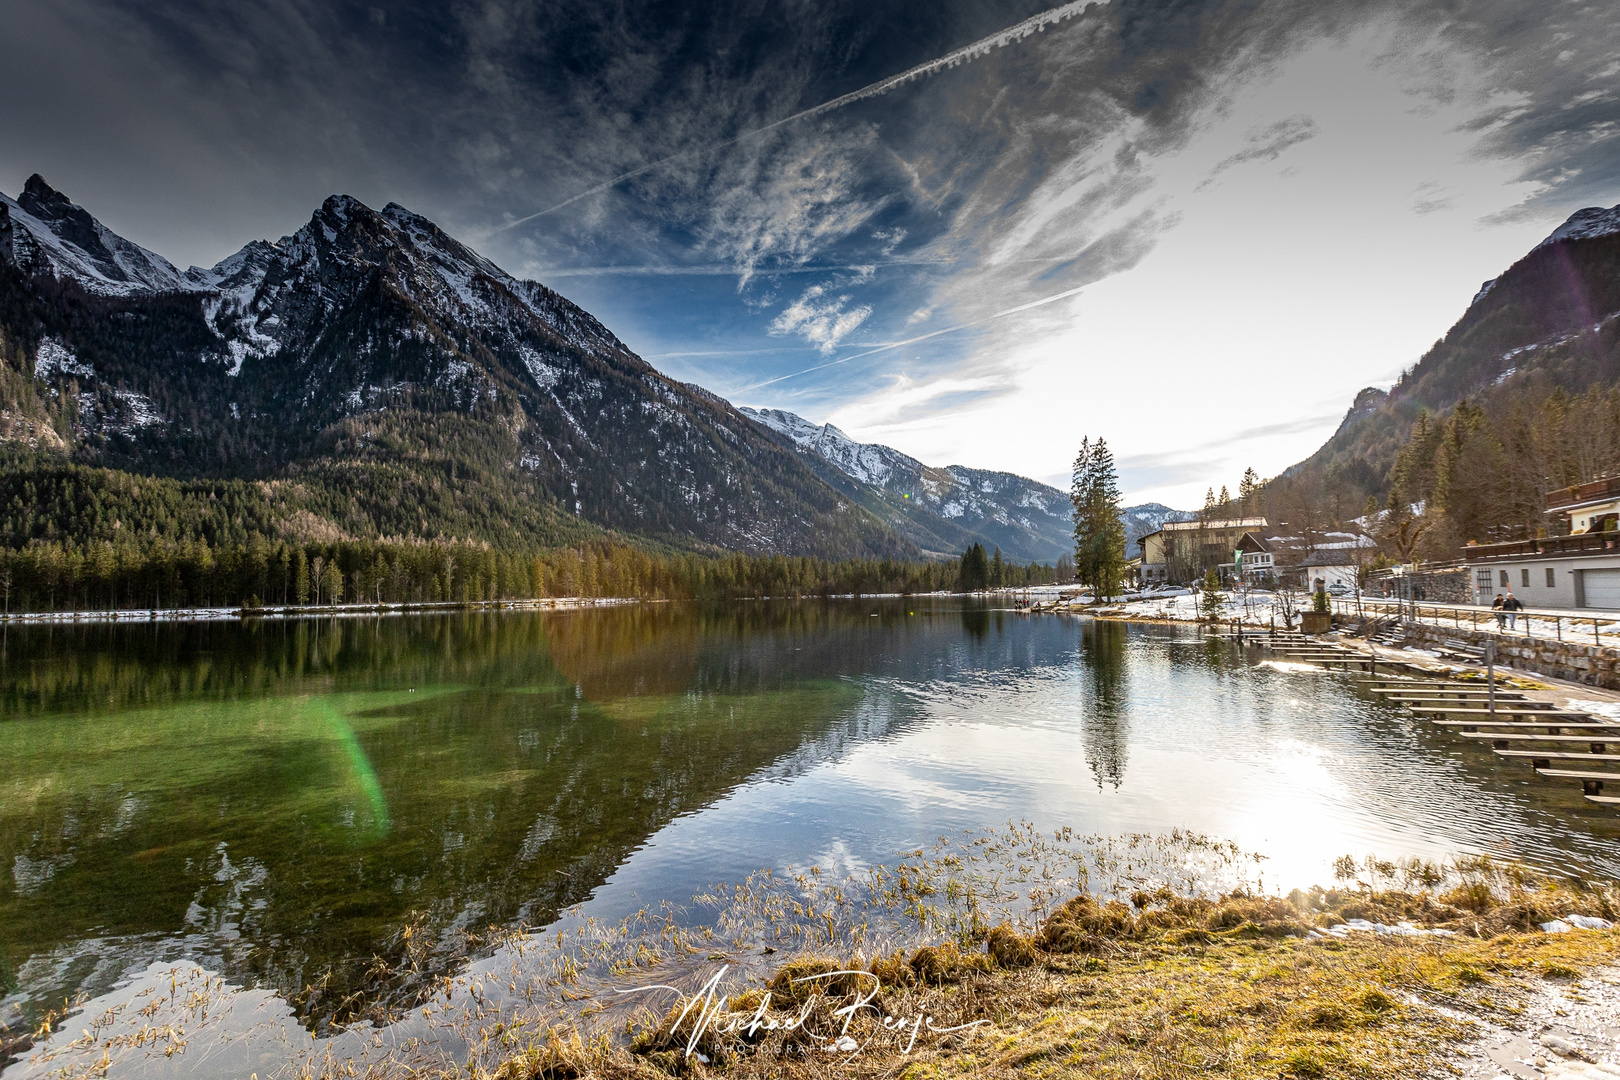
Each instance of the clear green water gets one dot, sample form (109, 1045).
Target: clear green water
(278, 801)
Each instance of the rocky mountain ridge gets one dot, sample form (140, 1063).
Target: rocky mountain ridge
(377, 360)
(371, 351)
(1552, 319)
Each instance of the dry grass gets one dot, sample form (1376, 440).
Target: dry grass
(1163, 987)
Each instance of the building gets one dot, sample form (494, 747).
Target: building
(1580, 569)
(1182, 551)
(1334, 557)
(1330, 566)
(1259, 563)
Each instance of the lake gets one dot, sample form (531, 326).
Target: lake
(283, 802)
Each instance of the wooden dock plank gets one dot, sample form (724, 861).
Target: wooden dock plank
(1501, 710)
(1578, 774)
(1548, 755)
(1593, 737)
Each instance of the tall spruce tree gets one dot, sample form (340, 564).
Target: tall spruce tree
(1249, 492)
(1099, 528)
(974, 572)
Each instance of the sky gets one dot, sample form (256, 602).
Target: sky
(976, 232)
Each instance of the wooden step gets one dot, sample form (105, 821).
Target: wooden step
(1465, 699)
(1579, 774)
(1538, 755)
(1501, 710)
(1601, 735)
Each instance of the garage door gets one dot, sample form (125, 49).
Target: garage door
(1602, 588)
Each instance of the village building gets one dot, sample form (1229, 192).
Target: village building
(1336, 564)
(1182, 551)
(1334, 558)
(1580, 569)
(1256, 559)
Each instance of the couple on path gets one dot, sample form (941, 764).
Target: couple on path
(1507, 610)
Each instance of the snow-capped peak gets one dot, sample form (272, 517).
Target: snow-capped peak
(51, 233)
(1586, 224)
(869, 463)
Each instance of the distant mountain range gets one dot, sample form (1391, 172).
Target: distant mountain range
(379, 378)
(1552, 319)
(943, 510)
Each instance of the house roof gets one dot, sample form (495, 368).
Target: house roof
(1253, 542)
(1216, 523)
(1327, 549)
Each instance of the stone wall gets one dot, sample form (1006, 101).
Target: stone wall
(1436, 586)
(1594, 665)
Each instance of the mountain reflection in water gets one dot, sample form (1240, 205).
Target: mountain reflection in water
(336, 810)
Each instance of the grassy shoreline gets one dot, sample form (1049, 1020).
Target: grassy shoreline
(1003, 953)
(1162, 987)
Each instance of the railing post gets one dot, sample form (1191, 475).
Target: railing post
(1490, 676)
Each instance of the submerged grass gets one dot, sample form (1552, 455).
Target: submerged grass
(1004, 953)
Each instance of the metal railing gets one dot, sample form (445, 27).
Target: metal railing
(1593, 627)
(1587, 543)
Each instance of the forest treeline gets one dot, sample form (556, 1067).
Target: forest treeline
(1482, 472)
(1477, 472)
(55, 576)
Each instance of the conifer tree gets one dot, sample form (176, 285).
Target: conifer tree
(974, 572)
(1249, 491)
(1212, 599)
(1099, 528)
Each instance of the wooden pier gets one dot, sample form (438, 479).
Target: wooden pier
(1519, 729)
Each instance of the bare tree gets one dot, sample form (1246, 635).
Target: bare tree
(1287, 602)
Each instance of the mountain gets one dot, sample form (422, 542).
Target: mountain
(393, 380)
(1551, 320)
(942, 511)
(1147, 518)
(945, 510)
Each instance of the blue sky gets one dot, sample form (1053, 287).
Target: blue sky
(1192, 227)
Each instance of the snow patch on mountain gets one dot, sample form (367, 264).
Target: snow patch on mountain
(54, 359)
(870, 463)
(1149, 517)
(1587, 224)
(53, 235)
(545, 375)
(962, 504)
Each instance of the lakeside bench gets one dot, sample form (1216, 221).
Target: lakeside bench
(1458, 649)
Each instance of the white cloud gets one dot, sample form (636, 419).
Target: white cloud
(822, 322)
(1339, 241)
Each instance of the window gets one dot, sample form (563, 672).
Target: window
(1504, 579)
(1552, 581)
(1483, 578)
(1524, 578)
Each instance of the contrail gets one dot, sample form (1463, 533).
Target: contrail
(1001, 38)
(913, 341)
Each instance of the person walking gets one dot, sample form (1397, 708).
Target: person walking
(1501, 616)
(1512, 606)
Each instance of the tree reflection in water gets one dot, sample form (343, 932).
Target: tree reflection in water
(1104, 725)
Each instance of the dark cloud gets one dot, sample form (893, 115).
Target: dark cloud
(1030, 169)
